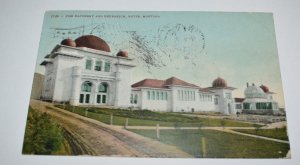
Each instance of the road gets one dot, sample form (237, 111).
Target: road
(90, 137)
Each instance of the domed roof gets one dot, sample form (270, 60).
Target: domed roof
(68, 42)
(254, 92)
(265, 88)
(122, 53)
(219, 82)
(93, 42)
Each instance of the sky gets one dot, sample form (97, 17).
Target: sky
(196, 47)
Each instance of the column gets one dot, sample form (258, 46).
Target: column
(76, 86)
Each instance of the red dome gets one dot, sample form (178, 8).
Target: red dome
(68, 42)
(219, 82)
(93, 42)
(122, 53)
(265, 88)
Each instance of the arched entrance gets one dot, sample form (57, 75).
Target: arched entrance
(102, 95)
(85, 94)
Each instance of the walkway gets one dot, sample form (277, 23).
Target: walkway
(96, 138)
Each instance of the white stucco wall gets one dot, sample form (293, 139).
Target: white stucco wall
(49, 80)
(174, 103)
(123, 85)
(157, 104)
(63, 81)
(223, 102)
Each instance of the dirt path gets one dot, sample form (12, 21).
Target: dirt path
(95, 138)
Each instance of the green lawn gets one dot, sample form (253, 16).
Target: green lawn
(150, 118)
(219, 144)
(277, 133)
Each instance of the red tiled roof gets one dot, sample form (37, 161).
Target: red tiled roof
(176, 81)
(154, 83)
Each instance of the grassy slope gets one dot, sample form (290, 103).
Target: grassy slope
(219, 144)
(44, 136)
(150, 118)
(278, 133)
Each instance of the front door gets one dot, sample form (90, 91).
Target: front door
(84, 98)
(101, 99)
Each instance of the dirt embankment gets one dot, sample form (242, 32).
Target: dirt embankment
(90, 137)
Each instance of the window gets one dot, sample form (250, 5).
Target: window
(88, 64)
(148, 95)
(86, 86)
(133, 98)
(98, 98)
(103, 88)
(261, 106)
(87, 98)
(153, 95)
(246, 105)
(166, 96)
(275, 106)
(228, 95)
(107, 66)
(216, 101)
(269, 105)
(157, 95)
(161, 96)
(193, 96)
(238, 106)
(98, 65)
(81, 98)
(103, 99)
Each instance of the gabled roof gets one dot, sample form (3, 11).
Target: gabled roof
(151, 83)
(176, 81)
(154, 83)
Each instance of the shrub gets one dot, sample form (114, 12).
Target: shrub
(43, 135)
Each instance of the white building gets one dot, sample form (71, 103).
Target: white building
(175, 95)
(258, 100)
(85, 72)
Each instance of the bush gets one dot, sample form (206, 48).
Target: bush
(43, 135)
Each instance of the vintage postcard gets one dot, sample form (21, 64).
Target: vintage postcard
(157, 84)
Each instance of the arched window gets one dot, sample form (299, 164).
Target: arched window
(86, 86)
(103, 88)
